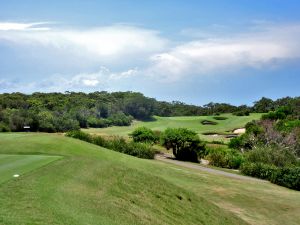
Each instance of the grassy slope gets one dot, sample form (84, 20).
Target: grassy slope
(21, 164)
(191, 122)
(92, 185)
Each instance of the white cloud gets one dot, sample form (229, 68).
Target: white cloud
(256, 49)
(112, 41)
(263, 46)
(7, 26)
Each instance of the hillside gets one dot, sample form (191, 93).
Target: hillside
(191, 122)
(92, 185)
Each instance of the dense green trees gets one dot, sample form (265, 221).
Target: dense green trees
(44, 111)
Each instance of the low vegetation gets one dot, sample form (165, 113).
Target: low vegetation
(271, 147)
(119, 144)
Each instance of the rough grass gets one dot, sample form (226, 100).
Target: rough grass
(92, 185)
(192, 122)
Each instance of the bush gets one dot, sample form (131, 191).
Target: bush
(242, 113)
(288, 177)
(225, 158)
(4, 128)
(259, 170)
(185, 143)
(144, 134)
(118, 144)
(140, 150)
(272, 156)
(80, 135)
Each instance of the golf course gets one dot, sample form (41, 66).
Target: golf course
(209, 132)
(67, 181)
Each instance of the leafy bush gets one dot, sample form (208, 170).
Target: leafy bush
(4, 128)
(242, 113)
(259, 170)
(279, 157)
(226, 158)
(144, 134)
(288, 177)
(185, 143)
(118, 144)
(80, 135)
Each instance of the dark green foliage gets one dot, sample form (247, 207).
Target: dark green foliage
(220, 118)
(118, 144)
(259, 170)
(242, 113)
(144, 134)
(184, 143)
(236, 143)
(285, 176)
(226, 158)
(80, 135)
(287, 125)
(4, 127)
(208, 122)
(264, 105)
(288, 177)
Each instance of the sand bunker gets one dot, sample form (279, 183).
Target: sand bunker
(239, 131)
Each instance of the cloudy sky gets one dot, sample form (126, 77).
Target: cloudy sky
(193, 51)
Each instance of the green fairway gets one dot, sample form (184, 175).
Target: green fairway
(93, 185)
(11, 165)
(191, 122)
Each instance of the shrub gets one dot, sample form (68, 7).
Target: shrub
(4, 128)
(80, 135)
(288, 177)
(185, 143)
(141, 150)
(144, 134)
(236, 143)
(242, 113)
(271, 155)
(226, 158)
(259, 170)
(118, 144)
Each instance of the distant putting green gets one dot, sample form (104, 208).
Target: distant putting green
(13, 166)
(191, 122)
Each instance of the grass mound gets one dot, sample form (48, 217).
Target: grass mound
(93, 185)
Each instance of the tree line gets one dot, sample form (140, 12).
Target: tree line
(59, 112)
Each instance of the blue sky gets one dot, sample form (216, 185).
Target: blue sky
(192, 51)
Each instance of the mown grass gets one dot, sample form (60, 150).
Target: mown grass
(93, 185)
(11, 165)
(191, 122)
